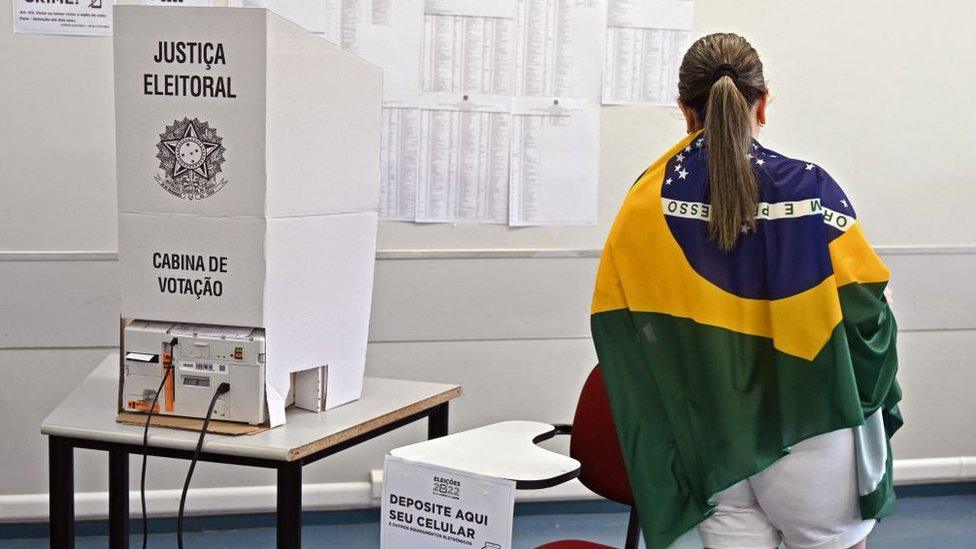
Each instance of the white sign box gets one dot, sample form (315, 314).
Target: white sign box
(248, 176)
(426, 507)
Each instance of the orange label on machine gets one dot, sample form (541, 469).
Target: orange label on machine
(169, 389)
(142, 406)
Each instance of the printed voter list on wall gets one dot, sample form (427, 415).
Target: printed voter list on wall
(74, 17)
(646, 40)
(427, 507)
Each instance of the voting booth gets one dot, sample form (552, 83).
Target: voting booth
(248, 177)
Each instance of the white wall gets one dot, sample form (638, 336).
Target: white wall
(878, 94)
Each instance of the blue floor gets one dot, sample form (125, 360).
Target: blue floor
(936, 522)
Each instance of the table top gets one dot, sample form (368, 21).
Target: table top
(89, 413)
(501, 450)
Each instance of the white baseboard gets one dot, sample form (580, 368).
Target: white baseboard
(935, 470)
(199, 501)
(360, 495)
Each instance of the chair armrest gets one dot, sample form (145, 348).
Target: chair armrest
(563, 428)
(503, 450)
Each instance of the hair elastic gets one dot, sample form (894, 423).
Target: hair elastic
(725, 70)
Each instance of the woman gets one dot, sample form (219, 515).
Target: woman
(740, 322)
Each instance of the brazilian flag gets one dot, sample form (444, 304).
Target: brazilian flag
(717, 362)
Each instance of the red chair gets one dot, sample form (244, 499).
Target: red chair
(593, 442)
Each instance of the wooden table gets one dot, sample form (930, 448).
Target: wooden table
(86, 419)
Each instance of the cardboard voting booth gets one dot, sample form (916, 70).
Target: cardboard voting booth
(248, 177)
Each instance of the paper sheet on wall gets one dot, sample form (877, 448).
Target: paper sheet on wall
(389, 34)
(516, 47)
(463, 160)
(444, 158)
(86, 18)
(646, 40)
(554, 162)
(559, 47)
(468, 46)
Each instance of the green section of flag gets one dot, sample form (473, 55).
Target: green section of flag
(871, 331)
(699, 408)
(881, 502)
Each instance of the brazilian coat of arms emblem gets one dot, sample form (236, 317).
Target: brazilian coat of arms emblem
(190, 155)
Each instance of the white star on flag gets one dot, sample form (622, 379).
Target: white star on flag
(699, 142)
(809, 167)
(760, 161)
(682, 174)
(668, 182)
(680, 157)
(844, 202)
(677, 167)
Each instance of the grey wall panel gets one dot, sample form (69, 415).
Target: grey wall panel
(34, 382)
(58, 304)
(933, 291)
(458, 299)
(937, 372)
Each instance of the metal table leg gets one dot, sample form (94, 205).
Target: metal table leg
(61, 490)
(290, 505)
(118, 499)
(437, 422)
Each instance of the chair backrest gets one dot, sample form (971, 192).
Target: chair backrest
(593, 442)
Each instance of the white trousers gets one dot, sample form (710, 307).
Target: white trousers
(807, 500)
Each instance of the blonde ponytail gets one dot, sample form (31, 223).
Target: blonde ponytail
(720, 79)
(732, 181)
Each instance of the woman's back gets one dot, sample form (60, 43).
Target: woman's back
(721, 353)
(783, 256)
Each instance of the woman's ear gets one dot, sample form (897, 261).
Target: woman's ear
(692, 123)
(761, 109)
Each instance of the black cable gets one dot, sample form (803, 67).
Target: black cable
(145, 455)
(221, 389)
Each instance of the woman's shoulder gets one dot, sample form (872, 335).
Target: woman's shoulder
(786, 179)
